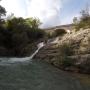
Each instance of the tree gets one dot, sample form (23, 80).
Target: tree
(2, 13)
(60, 32)
(18, 35)
(33, 22)
(75, 20)
(16, 24)
(10, 16)
(85, 12)
(84, 20)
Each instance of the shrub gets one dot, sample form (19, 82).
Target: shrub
(63, 61)
(66, 49)
(83, 21)
(64, 52)
(50, 35)
(60, 32)
(17, 35)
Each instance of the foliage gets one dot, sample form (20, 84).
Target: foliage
(59, 32)
(55, 33)
(66, 49)
(33, 22)
(64, 52)
(50, 35)
(83, 21)
(16, 34)
(2, 13)
(10, 16)
(19, 25)
(75, 20)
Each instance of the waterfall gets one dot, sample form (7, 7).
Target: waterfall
(40, 45)
(7, 61)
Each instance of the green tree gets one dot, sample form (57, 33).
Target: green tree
(2, 13)
(84, 20)
(75, 20)
(19, 35)
(10, 16)
(33, 22)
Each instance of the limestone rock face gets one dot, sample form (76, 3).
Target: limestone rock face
(78, 42)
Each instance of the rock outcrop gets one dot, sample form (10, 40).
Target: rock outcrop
(78, 51)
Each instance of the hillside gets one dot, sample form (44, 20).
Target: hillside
(72, 52)
(67, 26)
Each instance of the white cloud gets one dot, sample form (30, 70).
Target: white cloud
(14, 6)
(46, 10)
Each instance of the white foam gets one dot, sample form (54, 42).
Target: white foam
(5, 61)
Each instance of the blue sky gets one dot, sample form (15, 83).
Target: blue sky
(50, 12)
(71, 9)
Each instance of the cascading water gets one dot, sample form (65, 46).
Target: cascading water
(7, 61)
(40, 45)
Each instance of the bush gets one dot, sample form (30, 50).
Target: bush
(63, 61)
(64, 52)
(17, 35)
(83, 21)
(67, 62)
(65, 49)
(50, 35)
(60, 32)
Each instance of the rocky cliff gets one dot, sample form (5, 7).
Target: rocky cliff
(73, 48)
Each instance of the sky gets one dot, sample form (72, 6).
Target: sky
(50, 12)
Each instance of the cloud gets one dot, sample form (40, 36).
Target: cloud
(46, 10)
(14, 6)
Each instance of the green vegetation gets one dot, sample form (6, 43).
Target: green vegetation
(59, 32)
(56, 33)
(83, 21)
(70, 56)
(18, 35)
(2, 13)
(62, 58)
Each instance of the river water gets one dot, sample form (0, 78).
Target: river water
(28, 74)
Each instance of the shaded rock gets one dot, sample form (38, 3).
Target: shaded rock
(3, 51)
